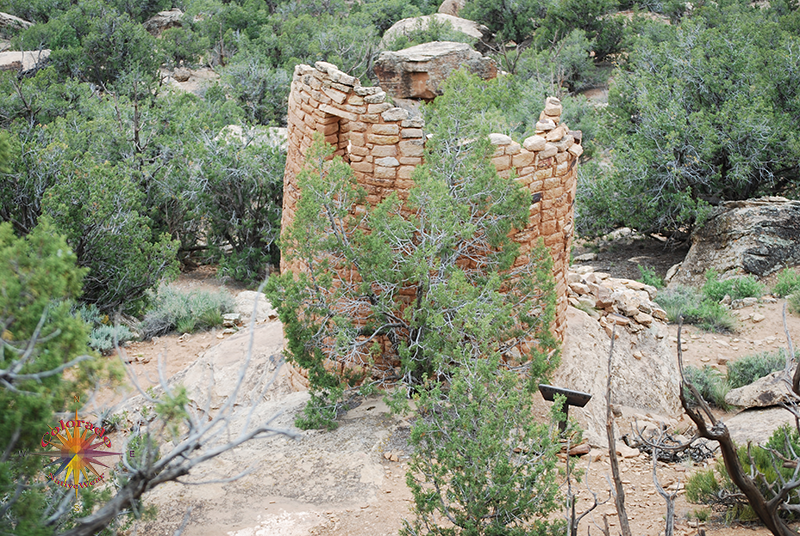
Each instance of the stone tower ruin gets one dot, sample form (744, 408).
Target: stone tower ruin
(383, 144)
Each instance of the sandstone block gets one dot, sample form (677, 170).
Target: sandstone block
(378, 108)
(534, 143)
(354, 109)
(366, 91)
(385, 172)
(552, 106)
(405, 172)
(356, 138)
(548, 151)
(377, 139)
(412, 147)
(364, 167)
(384, 150)
(410, 160)
(564, 143)
(388, 161)
(375, 98)
(395, 114)
(545, 125)
(522, 159)
(385, 129)
(576, 150)
(501, 162)
(513, 148)
(359, 150)
(411, 133)
(499, 139)
(332, 110)
(555, 134)
(335, 95)
(328, 129)
(413, 122)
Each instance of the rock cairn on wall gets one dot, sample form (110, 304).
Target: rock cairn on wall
(626, 303)
(383, 145)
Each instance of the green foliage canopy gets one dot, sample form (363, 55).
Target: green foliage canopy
(702, 112)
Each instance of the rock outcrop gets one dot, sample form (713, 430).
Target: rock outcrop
(12, 23)
(771, 390)
(644, 371)
(23, 61)
(757, 236)
(164, 20)
(452, 7)
(405, 26)
(419, 71)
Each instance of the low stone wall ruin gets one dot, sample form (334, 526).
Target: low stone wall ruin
(383, 145)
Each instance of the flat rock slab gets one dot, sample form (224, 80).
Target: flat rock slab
(648, 381)
(757, 425)
(771, 390)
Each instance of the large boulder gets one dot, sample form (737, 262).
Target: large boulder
(452, 7)
(644, 371)
(406, 26)
(419, 71)
(756, 236)
(164, 20)
(771, 390)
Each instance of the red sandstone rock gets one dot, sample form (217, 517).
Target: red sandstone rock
(419, 71)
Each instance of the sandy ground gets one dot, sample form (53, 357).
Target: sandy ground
(341, 482)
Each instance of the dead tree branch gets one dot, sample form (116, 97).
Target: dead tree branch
(619, 494)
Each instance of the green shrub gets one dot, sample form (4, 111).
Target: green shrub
(736, 287)
(241, 201)
(794, 303)
(185, 312)
(748, 369)
(650, 277)
(788, 283)
(704, 313)
(710, 383)
(98, 209)
(480, 457)
(703, 487)
(103, 338)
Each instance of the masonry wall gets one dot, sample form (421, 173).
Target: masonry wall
(383, 145)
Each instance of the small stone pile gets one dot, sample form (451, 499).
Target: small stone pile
(622, 302)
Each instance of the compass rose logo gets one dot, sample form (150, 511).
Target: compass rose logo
(78, 446)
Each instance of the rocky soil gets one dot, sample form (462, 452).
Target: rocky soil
(352, 480)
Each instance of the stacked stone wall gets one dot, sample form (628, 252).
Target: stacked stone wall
(383, 145)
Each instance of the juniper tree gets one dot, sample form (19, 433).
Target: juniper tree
(448, 244)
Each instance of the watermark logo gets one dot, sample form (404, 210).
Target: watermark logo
(77, 446)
